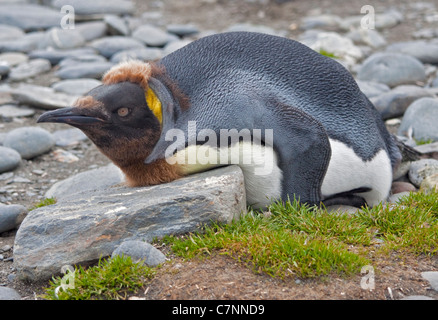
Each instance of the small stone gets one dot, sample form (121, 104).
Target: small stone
(182, 30)
(85, 58)
(392, 69)
(249, 27)
(13, 58)
(29, 69)
(10, 32)
(90, 180)
(92, 30)
(109, 46)
(29, 16)
(55, 56)
(401, 186)
(140, 251)
(371, 88)
(421, 118)
(394, 103)
(41, 97)
(341, 47)
(30, 142)
(77, 87)
(10, 218)
(145, 54)
(417, 298)
(9, 159)
(368, 37)
(93, 70)
(151, 36)
(174, 45)
(98, 7)
(432, 277)
(58, 38)
(430, 183)
(421, 169)
(323, 22)
(395, 198)
(422, 50)
(68, 137)
(12, 111)
(4, 69)
(9, 294)
(116, 25)
(64, 156)
(27, 43)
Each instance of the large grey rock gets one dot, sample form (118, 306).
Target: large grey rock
(394, 103)
(29, 142)
(392, 69)
(90, 225)
(29, 16)
(421, 117)
(90, 180)
(41, 97)
(140, 251)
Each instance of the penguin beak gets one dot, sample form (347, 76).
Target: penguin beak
(71, 116)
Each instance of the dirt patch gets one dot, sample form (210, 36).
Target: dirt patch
(222, 277)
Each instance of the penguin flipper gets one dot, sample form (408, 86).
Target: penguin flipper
(304, 152)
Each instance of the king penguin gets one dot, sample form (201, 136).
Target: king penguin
(294, 120)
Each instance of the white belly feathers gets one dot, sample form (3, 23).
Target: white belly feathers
(263, 177)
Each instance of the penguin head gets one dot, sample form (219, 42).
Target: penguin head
(122, 116)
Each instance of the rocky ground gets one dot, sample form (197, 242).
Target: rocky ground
(33, 79)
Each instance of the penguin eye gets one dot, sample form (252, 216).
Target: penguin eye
(123, 112)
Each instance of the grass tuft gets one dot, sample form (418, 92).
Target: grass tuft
(43, 203)
(111, 278)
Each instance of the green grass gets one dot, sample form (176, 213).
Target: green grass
(111, 278)
(328, 54)
(310, 242)
(43, 203)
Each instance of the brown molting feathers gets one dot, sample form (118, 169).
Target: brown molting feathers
(135, 71)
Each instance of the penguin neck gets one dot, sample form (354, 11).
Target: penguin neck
(139, 174)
